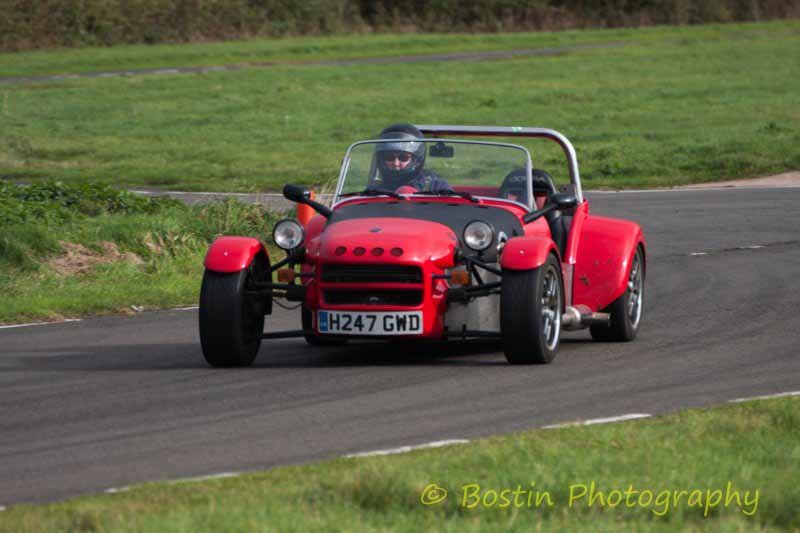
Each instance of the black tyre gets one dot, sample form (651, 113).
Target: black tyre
(625, 311)
(312, 338)
(231, 320)
(531, 303)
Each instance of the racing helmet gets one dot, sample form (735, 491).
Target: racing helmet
(516, 184)
(404, 146)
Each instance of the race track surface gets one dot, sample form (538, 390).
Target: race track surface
(113, 401)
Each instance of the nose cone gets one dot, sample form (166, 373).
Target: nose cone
(420, 241)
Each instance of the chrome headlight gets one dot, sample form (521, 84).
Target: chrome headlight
(478, 235)
(288, 234)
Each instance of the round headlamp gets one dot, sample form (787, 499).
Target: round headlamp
(478, 235)
(288, 234)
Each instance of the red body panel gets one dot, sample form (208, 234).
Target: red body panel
(429, 245)
(478, 190)
(527, 252)
(537, 228)
(603, 257)
(232, 254)
(576, 233)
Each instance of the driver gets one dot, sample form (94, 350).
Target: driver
(401, 163)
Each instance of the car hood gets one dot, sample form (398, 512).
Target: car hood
(419, 240)
(420, 221)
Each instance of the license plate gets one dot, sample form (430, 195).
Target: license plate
(363, 323)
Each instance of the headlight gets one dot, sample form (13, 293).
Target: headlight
(288, 234)
(478, 235)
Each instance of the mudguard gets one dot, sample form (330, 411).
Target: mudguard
(232, 254)
(605, 252)
(526, 252)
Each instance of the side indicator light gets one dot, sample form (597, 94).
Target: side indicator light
(459, 277)
(286, 275)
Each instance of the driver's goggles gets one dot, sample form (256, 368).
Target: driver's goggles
(403, 157)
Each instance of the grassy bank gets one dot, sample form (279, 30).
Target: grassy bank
(72, 250)
(669, 106)
(721, 451)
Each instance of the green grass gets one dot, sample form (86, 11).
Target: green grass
(754, 446)
(671, 106)
(169, 240)
(294, 49)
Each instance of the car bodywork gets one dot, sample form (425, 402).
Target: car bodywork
(382, 255)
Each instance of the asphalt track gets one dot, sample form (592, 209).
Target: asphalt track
(113, 401)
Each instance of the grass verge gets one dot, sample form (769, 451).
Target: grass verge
(739, 448)
(670, 106)
(77, 249)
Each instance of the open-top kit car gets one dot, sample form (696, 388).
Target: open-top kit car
(441, 237)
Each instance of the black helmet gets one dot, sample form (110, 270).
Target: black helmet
(405, 134)
(516, 183)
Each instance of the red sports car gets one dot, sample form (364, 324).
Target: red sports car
(474, 243)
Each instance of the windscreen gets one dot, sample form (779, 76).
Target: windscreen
(430, 166)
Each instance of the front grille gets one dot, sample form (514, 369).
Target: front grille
(372, 297)
(371, 274)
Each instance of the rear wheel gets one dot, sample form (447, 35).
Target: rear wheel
(530, 313)
(231, 318)
(625, 311)
(312, 338)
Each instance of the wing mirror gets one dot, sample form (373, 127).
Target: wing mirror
(564, 200)
(441, 150)
(560, 201)
(301, 195)
(296, 193)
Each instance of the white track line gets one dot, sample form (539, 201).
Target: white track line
(9, 326)
(593, 421)
(221, 475)
(189, 308)
(766, 397)
(406, 449)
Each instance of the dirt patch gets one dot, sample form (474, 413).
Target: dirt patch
(77, 259)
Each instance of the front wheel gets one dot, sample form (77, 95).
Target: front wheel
(231, 320)
(625, 311)
(531, 302)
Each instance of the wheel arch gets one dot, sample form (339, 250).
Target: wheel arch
(606, 250)
(231, 254)
(527, 252)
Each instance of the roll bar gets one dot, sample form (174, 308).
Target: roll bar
(515, 131)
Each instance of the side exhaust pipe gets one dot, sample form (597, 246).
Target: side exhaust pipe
(580, 316)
